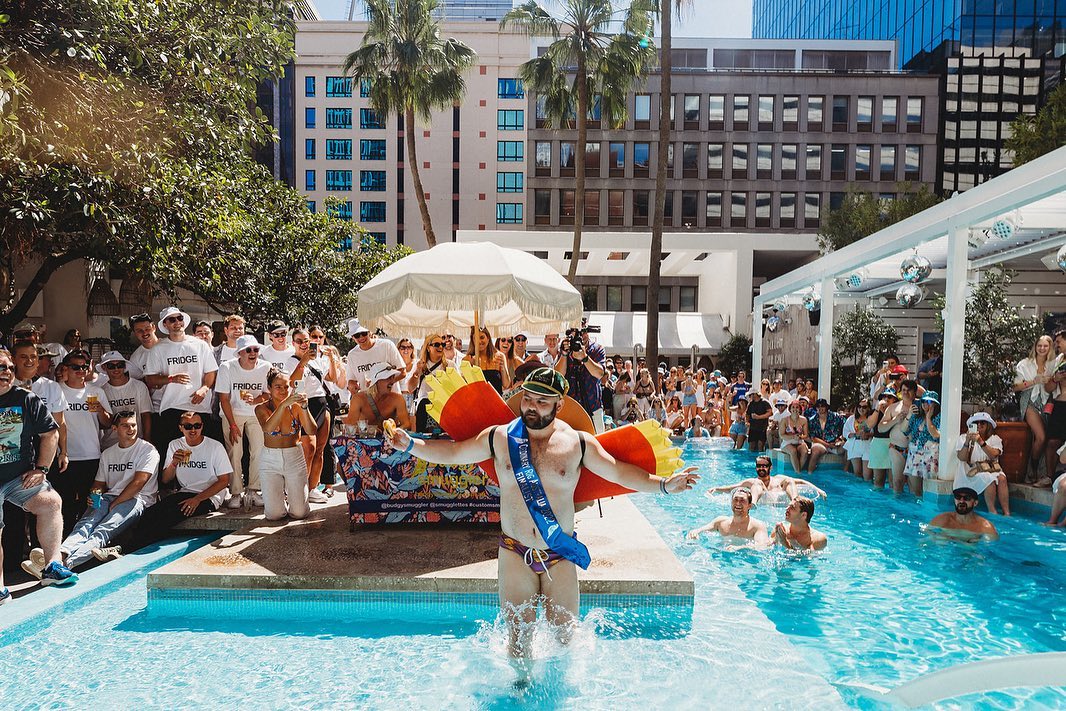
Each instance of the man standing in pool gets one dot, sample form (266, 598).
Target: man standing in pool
(763, 483)
(538, 459)
(795, 532)
(963, 519)
(740, 524)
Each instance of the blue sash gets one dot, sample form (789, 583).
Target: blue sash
(536, 500)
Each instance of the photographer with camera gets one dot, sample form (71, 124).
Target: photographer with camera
(583, 368)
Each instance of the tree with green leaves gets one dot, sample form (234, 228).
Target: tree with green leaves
(1033, 136)
(596, 52)
(861, 340)
(735, 355)
(863, 213)
(413, 71)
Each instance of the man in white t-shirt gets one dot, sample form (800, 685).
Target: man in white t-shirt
(185, 368)
(240, 386)
(202, 469)
(87, 412)
(125, 391)
(367, 353)
(127, 483)
(551, 353)
(279, 350)
(232, 328)
(143, 328)
(26, 357)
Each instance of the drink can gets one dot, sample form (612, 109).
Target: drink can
(96, 497)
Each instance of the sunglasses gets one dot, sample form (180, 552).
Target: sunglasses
(964, 497)
(361, 335)
(521, 339)
(83, 366)
(278, 334)
(436, 344)
(123, 414)
(505, 340)
(251, 350)
(193, 426)
(173, 319)
(301, 341)
(5, 368)
(119, 365)
(407, 348)
(139, 318)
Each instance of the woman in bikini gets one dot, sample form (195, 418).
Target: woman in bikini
(282, 465)
(688, 396)
(643, 390)
(484, 355)
(794, 436)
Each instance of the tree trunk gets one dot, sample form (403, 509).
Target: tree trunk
(412, 163)
(656, 252)
(579, 165)
(18, 312)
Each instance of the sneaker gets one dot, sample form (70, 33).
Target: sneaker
(106, 554)
(317, 497)
(257, 500)
(5, 595)
(58, 574)
(233, 502)
(36, 563)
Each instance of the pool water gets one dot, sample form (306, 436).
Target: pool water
(882, 605)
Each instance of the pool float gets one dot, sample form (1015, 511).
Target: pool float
(465, 404)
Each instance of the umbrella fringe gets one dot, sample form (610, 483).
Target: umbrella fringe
(380, 310)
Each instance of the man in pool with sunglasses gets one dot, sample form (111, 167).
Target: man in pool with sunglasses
(763, 483)
(738, 526)
(963, 523)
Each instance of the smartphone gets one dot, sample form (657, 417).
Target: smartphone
(313, 347)
(972, 429)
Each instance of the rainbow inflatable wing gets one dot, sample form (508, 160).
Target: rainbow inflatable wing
(465, 404)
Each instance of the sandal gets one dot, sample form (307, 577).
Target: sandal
(1044, 483)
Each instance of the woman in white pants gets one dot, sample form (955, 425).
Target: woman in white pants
(282, 466)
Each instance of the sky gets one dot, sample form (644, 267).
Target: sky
(705, 18)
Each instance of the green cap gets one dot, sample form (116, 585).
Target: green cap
(546, 381)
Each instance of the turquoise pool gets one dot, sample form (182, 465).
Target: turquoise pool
(883, 605)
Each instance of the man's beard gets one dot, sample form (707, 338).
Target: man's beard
(534, 421)
(963, 508)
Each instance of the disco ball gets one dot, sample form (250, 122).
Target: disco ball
(915, 269)
(909, 295)
(1003, 229)
(773, 323)
(1060, 258)
(812, 301)
(780, 306)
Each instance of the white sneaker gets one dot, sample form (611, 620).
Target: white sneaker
(106, 554)
(233, 502)
(317, 497)
(35, 565)
(257, 499)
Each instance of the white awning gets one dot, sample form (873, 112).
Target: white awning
(678, 332)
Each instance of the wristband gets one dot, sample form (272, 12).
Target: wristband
(662, 486)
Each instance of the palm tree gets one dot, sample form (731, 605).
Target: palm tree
(655, 254)
(603, 63)
(413, 71)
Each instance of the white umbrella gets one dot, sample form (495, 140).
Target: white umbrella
(450, 287)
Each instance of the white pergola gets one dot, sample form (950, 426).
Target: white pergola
(1032, 198)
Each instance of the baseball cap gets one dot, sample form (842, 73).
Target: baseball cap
(546, 381)
(898, 370)
(46, 352)
(965, 491)
(276, 326)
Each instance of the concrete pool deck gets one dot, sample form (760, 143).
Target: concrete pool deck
(628, 555)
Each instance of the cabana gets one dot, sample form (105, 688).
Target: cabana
(1013, 220)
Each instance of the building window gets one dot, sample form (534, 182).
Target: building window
(764, 160)
(716, 111)
(889, 113)
(614, 298)
(339, 87)
(567, 207)
(690, 160)
(740, 160)
(670, 159)
(510, 119)
(343, 210)
(814, 163)
(616, 165)
(368, 118)
(642, 109)
(309, 86)
(641, 159)
(509, 182)
(738, 211)
(340, 180)
(692, 111)
(508, 213)
(542, 207)
(371, 212)
(638, 298)
(309, 180)
(689, 208)
(510, 89)
(540, 112)
(812, 209)
(789, 151)
(543, 158)
(590, 296)
(309, 117)
(836, 199)
(788, 209)
(762, 209)
(378, 237)
(668, 207)
(344, 244)
(665, 292)
(371, 181)
(914, 114)
(567, 157)
(510, 151)
(864, 116)
(309, 148)
(640, 207)
(862, 162)
(740, 112)
(338, 118)
(838, 162)
(686, 299)
(815, 111)
(371, 149)
(790, 113)
(616, 207)
(841, 107)
(338, 149)
(888, 162)
(365, 85)
(592, 159)
(766, 113)
(912, 165)
(714, 209)
(592, 207)
(311, 207)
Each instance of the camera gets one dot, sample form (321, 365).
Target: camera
(574, 341)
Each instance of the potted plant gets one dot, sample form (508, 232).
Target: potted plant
(998, 335)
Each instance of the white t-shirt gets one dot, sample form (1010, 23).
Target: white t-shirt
(310, 384)
(191, 356)
(83, 426)
(780, 396)
(360, 362)
(140, 359)
(233, 378)
(226, 354)
(118, 466)
(207, 463)
(131, 396)
(278, 358)
(51, 394)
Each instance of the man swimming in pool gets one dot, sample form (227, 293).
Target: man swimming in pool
(763, 483)
(538, 460)
(740, 524)
(795, 532)
(963, 523)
